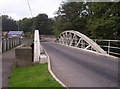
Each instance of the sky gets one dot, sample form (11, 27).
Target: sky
(19, 9)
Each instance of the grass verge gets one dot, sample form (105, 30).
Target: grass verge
(32, 76)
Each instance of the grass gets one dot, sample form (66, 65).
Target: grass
(32, 76)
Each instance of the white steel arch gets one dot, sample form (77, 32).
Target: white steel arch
(77, 39)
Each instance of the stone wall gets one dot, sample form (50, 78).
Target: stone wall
(23, 56)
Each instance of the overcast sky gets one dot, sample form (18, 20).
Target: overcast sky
(18, 9)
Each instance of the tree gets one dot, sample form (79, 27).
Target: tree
(99, 20)
(104, 20)
(26, 24)
(71, 16)
(40, 22)
(8, 24)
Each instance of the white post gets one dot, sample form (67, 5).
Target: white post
(109, 47)
(36, 46)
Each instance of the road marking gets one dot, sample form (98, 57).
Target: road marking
(52, 73)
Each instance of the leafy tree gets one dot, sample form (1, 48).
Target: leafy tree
(104, 20)
(26, 24)
(40, 22)
(99, 20)
(8, 24)
(71, 15)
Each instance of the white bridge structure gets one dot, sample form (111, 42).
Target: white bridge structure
(36, 46)
(77, 39)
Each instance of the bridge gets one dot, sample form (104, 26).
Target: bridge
(76, 60)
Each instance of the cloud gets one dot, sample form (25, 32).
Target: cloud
(18, 9)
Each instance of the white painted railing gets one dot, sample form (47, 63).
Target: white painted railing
(77, 39)
(108, 46)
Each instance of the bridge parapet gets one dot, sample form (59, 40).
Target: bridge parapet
(8, 43)
(112, 47)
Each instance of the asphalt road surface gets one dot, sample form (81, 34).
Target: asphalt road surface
(76, 68)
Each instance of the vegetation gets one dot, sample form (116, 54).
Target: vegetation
(8, 24)
(32, 76)
(98, 20)
(28, 34)
(40, 22)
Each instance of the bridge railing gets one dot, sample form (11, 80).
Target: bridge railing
(112, 47)
(8, 43)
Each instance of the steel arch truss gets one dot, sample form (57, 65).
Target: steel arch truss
(77, 39)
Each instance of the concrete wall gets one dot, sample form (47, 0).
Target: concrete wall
(8, 43)
(23, 56)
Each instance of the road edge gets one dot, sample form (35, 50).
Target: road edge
(96, 53)
(52, 73)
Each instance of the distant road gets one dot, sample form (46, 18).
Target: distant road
(76, 68)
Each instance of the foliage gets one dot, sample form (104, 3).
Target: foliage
(43, 23)
(99, 20)
(104, 20)
(70, 16)
(40, 22)
(56, 32)
(26, 24)
(32, 76)
(8, 24)
(28, 34)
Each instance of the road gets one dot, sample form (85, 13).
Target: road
(76, 68)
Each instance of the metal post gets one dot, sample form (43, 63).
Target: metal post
(82, 44)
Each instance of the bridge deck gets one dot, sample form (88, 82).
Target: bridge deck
(76, 68)
(8, 59)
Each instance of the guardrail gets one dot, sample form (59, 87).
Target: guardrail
(8, 43)
(112, 47)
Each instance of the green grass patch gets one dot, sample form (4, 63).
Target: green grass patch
(32, 76)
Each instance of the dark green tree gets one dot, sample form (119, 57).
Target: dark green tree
(42, 23)
(8, 24)
(71, 16)
(104, 20)
(26, 24)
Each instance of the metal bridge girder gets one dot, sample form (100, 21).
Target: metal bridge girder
(73, 36)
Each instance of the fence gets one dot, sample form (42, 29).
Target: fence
(112, 47)
(8, 43)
